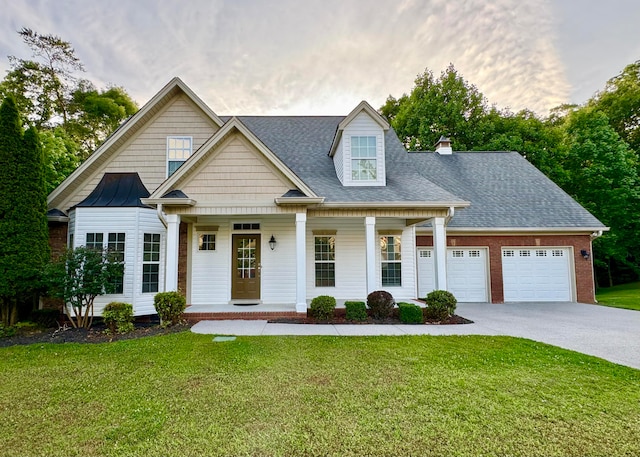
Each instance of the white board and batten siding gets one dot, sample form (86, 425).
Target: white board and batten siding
(134, 223)
(537, 274)
(363, 125)
(211, 270)
(350, 263)
(467, 277)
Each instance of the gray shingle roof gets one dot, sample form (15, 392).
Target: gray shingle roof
(303, 144)
(504, 189)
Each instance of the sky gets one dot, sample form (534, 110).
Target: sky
(317, 57)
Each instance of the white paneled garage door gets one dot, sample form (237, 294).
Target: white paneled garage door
(466, 273)
(536, 274)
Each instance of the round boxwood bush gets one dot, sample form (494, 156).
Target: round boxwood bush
(322, 307)
(118, 317)
(356, 310)
(410, 313)
(381, 304)
(169, 306)
(440, 305)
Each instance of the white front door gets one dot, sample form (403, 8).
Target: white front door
(536, 274)
(466, 273)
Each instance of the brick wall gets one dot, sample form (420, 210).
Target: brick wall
(57, 238)
(585, 288)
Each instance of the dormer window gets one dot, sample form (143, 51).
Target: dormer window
(364, 158)
(178, 151)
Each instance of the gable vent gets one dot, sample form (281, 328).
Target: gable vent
(443, 146)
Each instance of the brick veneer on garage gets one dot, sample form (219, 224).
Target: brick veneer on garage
(585, 289)
(57, 238)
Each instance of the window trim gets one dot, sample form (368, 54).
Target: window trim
(397, 260)
(151, 263)
(168, 159)
(321, 262)
(201, 242)
(353, 159)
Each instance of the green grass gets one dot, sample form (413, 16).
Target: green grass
(625, 296)
(185, 395)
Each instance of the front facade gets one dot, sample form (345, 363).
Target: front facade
(278, 210)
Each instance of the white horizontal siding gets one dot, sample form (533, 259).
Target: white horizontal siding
(133, 222)
(408, 290)
(211, 270)
(338, 161)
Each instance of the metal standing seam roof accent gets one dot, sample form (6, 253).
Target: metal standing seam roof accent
(117, 190)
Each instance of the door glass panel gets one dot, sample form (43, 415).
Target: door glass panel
(246, 255)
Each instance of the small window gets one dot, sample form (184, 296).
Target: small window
(525, 253)
(178, 151)
(364, 158)
(508, 253)
(457, 253)
(557, 253)
(115, 245)
(151, 263)
(94, 241)
(207, 242)
(391, 256)
(246, 226)
(541, 253)
(424, 254)
(325, 261)
(474, 253)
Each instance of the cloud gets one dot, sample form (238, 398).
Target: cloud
(312, 57)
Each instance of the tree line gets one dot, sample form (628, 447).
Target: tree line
(591, 151)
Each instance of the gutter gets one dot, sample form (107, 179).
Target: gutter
(161, 215)
(449, 216)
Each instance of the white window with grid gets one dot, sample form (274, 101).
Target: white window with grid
(178, 151)
(391, 256)
(325, 260)
(364, 163)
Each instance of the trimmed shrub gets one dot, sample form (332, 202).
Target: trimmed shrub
(47, 318)
(410, 313)
(169, 306)
(322, 307)
(118, 317)
(381, 304)
(356, 310)
(440, 305)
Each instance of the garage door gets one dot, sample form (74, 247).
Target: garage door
(536, 274)
(466, 273)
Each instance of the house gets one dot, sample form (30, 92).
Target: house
(276, 210)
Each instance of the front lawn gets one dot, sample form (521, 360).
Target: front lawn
(624, 296)
(183, 394)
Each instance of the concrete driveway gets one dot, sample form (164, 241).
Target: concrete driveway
(610, 333)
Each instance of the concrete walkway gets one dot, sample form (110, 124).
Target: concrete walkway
(610, 333)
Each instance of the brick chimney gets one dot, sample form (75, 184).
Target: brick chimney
(443, 146)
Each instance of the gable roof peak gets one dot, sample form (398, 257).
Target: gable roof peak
(362, 106)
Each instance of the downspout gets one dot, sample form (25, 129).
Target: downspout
(449, 216)
(161, 215)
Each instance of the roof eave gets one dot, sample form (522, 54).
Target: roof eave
(397, 204)
(284, 201)
(169, 201)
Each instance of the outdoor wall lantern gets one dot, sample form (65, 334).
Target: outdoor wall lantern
(272, 243)
(584, 253)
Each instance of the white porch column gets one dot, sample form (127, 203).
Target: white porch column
(301, 263)
(370, 240)
(171, 270)
(440, 252)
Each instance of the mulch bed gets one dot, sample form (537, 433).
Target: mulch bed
(340, 318)
(96, 334)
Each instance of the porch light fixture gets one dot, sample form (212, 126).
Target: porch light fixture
(272, 243)
(584, 252)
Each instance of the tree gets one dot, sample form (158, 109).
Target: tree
(43, 85)
(24, 245)
(601, 174)
(447, 106)
(78, 277)
(95, 114)
(620, 101)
